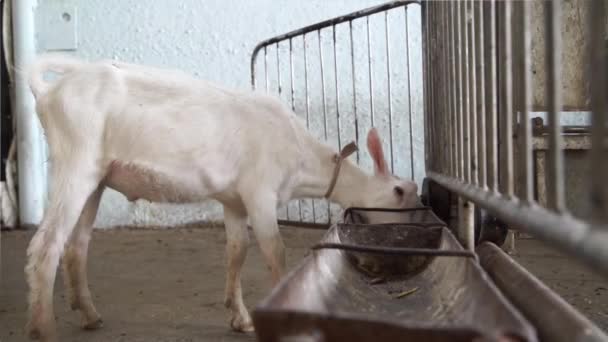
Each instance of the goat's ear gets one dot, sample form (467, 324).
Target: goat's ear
(374, 146)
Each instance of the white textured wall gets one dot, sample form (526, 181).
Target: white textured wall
(214, 40)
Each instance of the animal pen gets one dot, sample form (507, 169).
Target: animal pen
(490, 163)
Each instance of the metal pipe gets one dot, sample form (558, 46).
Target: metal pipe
(280, 90)
(481, 104)
(371, 82)
(599, 85)
(30, 138)
(459, 95)
(314, 215)
(506, 110)
(337, 89)
(266, 68)
(448, 101)
(324, 103)
(466, 117)
(564, 232)
(293, 106)
(526, 101)
(472, 79)
(352, 59)
(388, 80)
(555, 189)
(409, 93)
(492, 103)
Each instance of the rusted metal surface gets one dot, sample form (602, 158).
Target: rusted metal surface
(338, 295)
(555, 320)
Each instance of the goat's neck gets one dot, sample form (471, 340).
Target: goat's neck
(316, 174)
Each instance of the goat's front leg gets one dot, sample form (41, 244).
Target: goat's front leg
(237, 240)
(75, 263)
(262, 210)
(70, 189)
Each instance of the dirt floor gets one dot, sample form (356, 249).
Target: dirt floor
(167, 285)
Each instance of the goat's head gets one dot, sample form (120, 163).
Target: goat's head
(385, 189)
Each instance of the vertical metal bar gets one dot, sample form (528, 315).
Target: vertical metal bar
(280, 90)
(446, 90)
(388, 77)
(293, 105)
(459, 93)
(555, 190)
(409, 93)
(472, 77)
(266, 67)
(352, 59)
(371, 82)
(492, 87)
(526, 100)
(428, 93)
(480, 86)
(432, 93)
(337, 88)
(599, 105)
(324, 102)
(465, 94)
(454, 90)
(507, 100)
(314, 216)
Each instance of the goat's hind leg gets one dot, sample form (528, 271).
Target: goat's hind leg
(75, 263)
(72, 183)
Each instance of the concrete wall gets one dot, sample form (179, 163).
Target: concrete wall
(213, 40)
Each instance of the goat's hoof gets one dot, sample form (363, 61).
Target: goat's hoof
(240, 325)
(94, 325)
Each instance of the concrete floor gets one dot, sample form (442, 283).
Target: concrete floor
(167, 285)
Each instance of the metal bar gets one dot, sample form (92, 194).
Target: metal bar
(480, 85)
(293, 106)
(429, 94)
(409, 94)
(506, 110)
(266, 67)
(280, 90)
(394, 250)
(472, 79)
(599, 87)
(337, 89)
(466, 118)
(446, 89)
(555, 189)
(492, 103)
(324, 103)
(314, 216)
(459, 95)
(454, 90)
(525, 150)
(352, 59)
(564, 232)
(371, 82)
(388, 77)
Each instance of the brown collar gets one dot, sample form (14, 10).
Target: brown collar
(338, 158)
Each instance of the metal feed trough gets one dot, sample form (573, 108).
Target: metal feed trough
(421, 274)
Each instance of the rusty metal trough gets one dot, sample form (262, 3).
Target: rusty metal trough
(389, 275)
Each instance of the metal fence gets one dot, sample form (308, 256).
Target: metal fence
(478, 90)
(345, 75)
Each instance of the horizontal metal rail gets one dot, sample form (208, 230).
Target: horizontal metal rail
(394, 250)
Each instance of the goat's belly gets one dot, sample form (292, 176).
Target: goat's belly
(141, 182)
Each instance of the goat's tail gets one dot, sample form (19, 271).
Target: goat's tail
(60, 64)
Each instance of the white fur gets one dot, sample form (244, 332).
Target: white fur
(163, 136)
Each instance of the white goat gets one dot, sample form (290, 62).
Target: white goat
(164, 137)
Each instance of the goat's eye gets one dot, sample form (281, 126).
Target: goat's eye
(399, 191)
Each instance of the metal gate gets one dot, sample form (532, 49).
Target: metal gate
(344, 76)
(478, 89)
